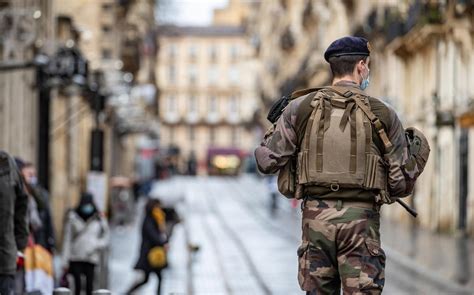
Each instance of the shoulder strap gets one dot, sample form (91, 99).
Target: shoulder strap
(376, 123)
(343, 91)
(355, 93)
(302, 119)
(374, 120)
(302, 92)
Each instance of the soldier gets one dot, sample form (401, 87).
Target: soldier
(14, 229)
(351, 157)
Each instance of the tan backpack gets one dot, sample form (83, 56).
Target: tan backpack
(337, 150)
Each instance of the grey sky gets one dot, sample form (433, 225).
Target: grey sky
(188, 12)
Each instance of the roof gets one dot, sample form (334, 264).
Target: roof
(200, 31)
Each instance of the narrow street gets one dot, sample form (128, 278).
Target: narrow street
(243, 248)
(107, 105)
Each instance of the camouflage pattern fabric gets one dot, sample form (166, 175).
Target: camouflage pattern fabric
(282, 141)
(340, 247)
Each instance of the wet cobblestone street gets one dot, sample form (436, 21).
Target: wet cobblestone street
(244, 249)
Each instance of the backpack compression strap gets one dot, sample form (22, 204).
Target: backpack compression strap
(372, 117)
(377, 124)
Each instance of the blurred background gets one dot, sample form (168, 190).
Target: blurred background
(137, 99)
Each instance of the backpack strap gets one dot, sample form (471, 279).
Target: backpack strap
(349, 116)
(302, 92)
(374, 120)
(353, 159)
(323, 125)
(376, 123)
(302, 119)
(304, 140)
(345, 116)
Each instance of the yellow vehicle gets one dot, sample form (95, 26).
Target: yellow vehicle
(224, 161)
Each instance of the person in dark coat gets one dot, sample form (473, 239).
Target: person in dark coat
(153, 235)
(44, 235)
(13, 221)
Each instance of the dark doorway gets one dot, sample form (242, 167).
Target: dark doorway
(463, 177)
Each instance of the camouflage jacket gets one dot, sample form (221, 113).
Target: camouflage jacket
(282, 141)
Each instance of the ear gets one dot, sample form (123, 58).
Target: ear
(360, 66)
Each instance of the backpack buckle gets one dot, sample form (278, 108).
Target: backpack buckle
(348, 94)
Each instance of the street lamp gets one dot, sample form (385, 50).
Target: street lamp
(97, 98)
(67, 67)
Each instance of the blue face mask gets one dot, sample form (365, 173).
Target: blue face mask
(365, 81)
(87, 209)
(33, 180)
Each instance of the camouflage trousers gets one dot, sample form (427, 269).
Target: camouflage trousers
(341, 246)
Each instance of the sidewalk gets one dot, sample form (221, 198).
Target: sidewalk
(443, 260)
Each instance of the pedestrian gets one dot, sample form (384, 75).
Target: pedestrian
(192, 164)
(154, 245)
(40, 216)
(122, 202)
(38, 258)
(351, 157)
(14, 228)
(86, 234)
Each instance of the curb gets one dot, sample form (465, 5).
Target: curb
(424, 272)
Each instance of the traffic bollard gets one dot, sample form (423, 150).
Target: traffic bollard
(62, 291)
(102, 292)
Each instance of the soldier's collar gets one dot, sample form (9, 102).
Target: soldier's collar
(347, 83)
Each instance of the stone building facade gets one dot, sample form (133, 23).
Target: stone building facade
(424, 68)
(18, 85)
(421, 64)
(48, 120)
(115, 39)
(207, 90)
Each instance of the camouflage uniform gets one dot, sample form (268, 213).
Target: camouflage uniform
(340, 246)
(341, 239)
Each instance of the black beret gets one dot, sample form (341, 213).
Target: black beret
(348, 46)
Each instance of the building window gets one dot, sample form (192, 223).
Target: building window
(213, 53)
(212, 105)
(233, 105)
(192, 133)
(233, 75)
(106, 53)
(106, 29)
(107, 6)
(234, 52)
(213, 75)
(172, 51)
(192, 74)
(172, 74)
(193, 105)
(212, 135)
(172, 134)
(172, 105)
(235, 136)
(193, 52)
